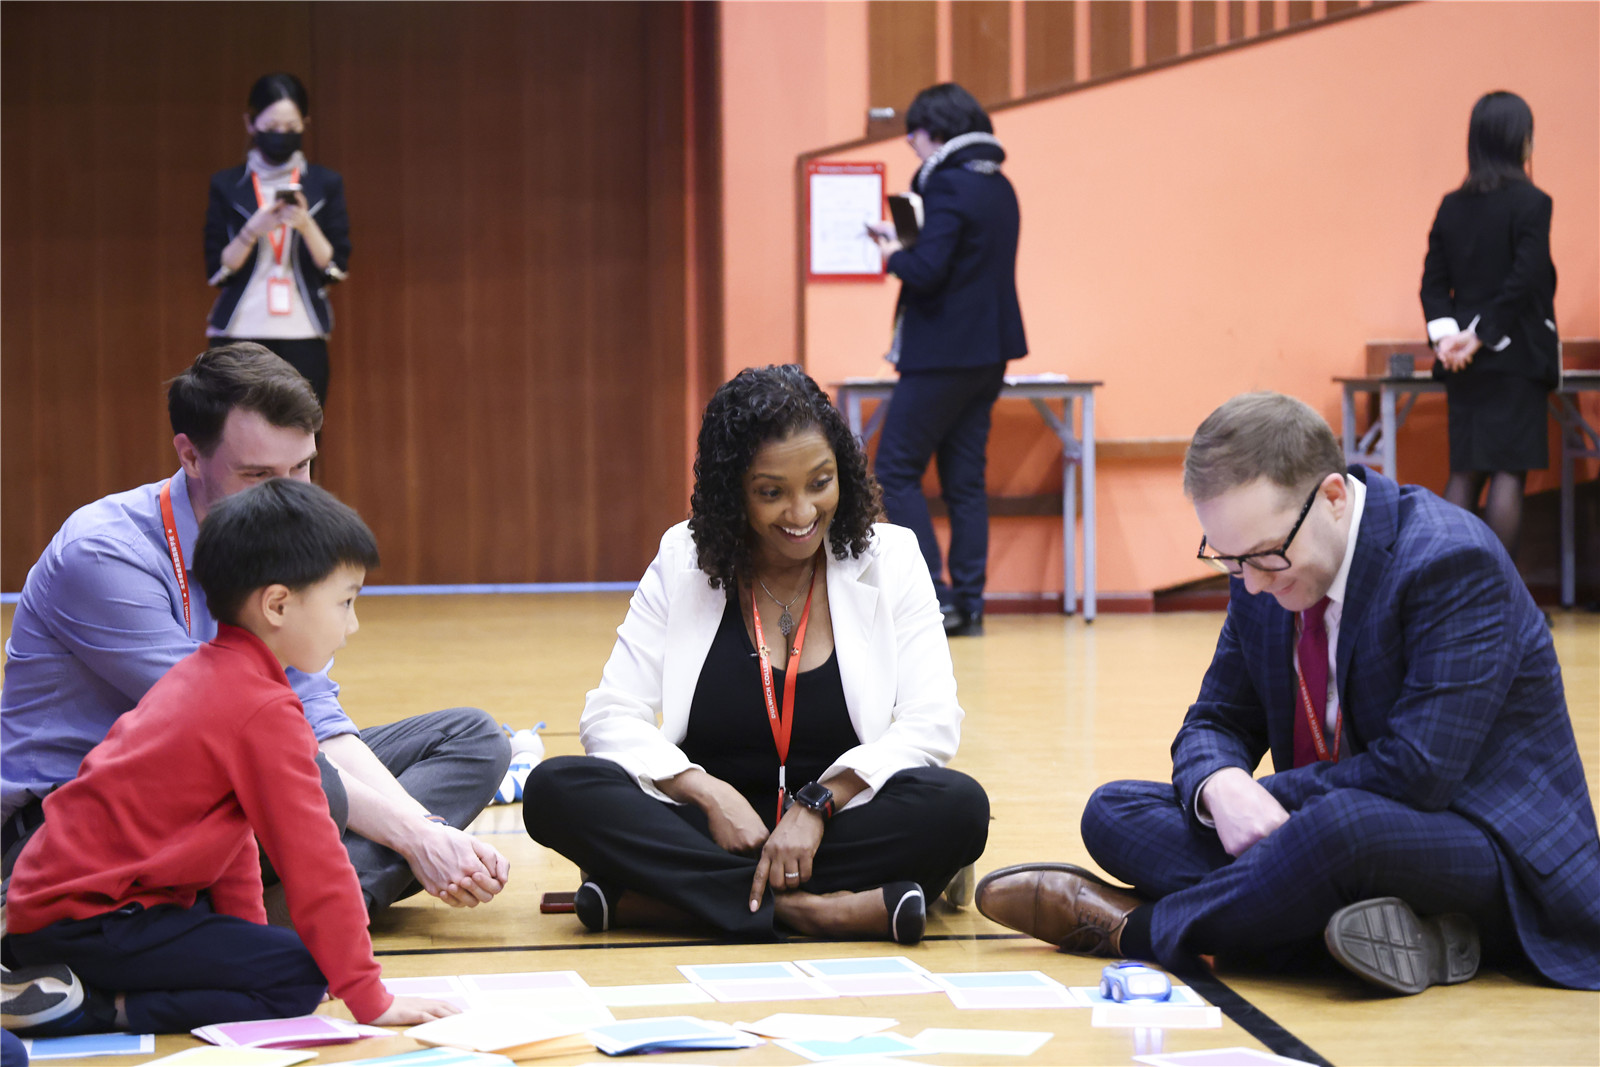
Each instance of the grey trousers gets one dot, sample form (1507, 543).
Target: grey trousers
(452, 761)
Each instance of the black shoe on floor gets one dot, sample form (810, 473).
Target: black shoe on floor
(1384, 942)
(595, 905)
(959, 622)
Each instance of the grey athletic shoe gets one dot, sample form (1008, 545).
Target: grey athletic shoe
(1384, 942)
(35, 997)
(958, 894)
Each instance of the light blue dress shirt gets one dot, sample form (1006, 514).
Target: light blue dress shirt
(100, 619)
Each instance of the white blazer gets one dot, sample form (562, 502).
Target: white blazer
(888, 633)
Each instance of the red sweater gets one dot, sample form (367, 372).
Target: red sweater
(164, 807)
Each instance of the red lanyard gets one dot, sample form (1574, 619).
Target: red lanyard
(175, 550)
(278, 235)
(1309, 710)
(782, 725)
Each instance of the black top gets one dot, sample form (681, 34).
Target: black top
(728, 731)
(1489, 258)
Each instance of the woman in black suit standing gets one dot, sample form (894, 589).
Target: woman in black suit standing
(277, 236)
(956, 324)
(1488, 293)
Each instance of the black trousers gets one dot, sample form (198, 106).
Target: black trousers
(924, 825)
(182, 967)
(308, 355)
(943, 414)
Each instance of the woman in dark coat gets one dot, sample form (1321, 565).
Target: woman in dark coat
(956, 325)
(1488, 293)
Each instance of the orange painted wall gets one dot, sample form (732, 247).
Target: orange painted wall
(1247, 220)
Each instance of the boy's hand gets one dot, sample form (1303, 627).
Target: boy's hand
(483, 885)
(409, 1011)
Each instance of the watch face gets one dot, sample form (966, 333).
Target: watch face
(815, 795)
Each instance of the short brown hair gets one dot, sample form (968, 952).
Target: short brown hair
(1260, 435)
(239, 375)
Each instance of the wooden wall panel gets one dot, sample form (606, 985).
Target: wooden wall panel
(1160, 30)
(980, 48)
(903, 51)
(1266, 16)
(1339, 7)
(1205, 23)
(1051, 32)
(510, 369)
(1110, 37)
(1300, 11)
(1236, 19)
(113, 118)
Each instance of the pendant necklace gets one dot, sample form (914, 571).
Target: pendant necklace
(786, 620)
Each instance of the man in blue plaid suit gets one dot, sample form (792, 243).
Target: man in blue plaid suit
(1428, 801)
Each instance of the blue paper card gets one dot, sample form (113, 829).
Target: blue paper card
(61, 1048)
(870, 1045)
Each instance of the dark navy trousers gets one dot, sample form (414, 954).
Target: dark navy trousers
(943, 415)
(1276, 898)
(923, 826)
(182, 967)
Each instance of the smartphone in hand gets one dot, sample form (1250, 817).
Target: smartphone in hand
(288, 194)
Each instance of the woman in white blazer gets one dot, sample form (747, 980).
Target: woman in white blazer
(683, 809)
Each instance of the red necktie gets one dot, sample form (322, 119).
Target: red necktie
(1311, 690)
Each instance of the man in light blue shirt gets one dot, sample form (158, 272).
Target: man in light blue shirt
(109, 607)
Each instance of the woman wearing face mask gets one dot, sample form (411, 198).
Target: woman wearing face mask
(277, 236)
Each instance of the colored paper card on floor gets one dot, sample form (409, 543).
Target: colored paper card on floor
(700, 974)
(880, 985)
(754, 989)
(936, 1040)
(62, 1048)
(1220, 1057)
(889, 1044)
(434, 1057)
(517, 1034)
(215, 1056)
(997, 980)
(802, 1026)
(1179, 1017)
(1181, 996)
(860, 965)
(646, 996)
(677, 1033)
(302, 1031)
(522, 981)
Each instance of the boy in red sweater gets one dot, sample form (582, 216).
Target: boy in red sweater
(145, 880)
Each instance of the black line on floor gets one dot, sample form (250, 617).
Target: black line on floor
(1255, 1022)
(695, 943)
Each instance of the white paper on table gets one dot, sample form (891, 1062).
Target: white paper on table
(802, 1026)
(1013, 999)
(522, 981)
(997, 980)
(937, 1039)
(874, 1045)
(740, 991)
(646, 996)
(840, 206)
(860, 965)
(668, 1034)
(1181, 1017)
(1181, 996)
(227, 1056)
(1220, 1057)
(483, 1030)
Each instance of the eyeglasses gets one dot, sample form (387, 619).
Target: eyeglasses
(1274, 559)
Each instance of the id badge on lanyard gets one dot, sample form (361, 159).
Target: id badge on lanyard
(280, 289)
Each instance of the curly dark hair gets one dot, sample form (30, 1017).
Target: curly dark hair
(759, 405)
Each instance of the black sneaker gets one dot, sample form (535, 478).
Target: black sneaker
(38, 998)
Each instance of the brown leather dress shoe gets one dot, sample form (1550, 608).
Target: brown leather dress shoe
(1063, 904)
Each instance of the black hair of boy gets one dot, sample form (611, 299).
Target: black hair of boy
(280, 532)
(947, 111)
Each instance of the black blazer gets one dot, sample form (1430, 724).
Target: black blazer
(232, 202)
(958, 295)
(1489, 258)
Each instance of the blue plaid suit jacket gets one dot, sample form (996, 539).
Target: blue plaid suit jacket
(1452, 698)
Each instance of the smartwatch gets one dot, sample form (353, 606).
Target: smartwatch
(817, 797)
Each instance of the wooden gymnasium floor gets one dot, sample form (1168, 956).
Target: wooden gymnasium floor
(1054, 706)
